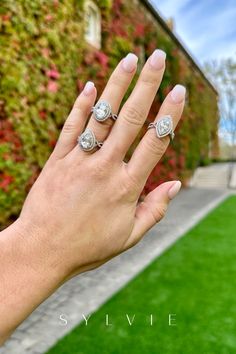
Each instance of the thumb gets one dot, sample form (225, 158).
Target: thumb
(152, 209)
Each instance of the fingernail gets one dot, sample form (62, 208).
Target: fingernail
(174, 190)
(88, 88)
(178, 93)
(129, 63)
(157, 59)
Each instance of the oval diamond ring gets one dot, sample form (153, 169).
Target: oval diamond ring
(102, 111)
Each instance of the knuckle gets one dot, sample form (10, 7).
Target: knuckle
(68, 128)
(100, 169)
(160, 212)
(117, 80)
(130, 188)
(156, 214)
(156, 145)
(134, 115)
(148, 80)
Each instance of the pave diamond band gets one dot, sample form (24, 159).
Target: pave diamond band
(87, 140)
(102, 111)
(163, 127)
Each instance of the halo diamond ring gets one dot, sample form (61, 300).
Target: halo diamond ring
(87, 140)
(102, 111)
(164, 127)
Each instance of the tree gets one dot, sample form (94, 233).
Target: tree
(223, 75)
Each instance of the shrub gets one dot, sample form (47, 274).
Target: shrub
(44, 63)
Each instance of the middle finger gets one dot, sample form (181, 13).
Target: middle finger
(134, 112)
(113, 93)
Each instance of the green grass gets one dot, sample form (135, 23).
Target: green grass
(195, 279)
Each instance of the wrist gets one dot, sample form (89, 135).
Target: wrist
(37, 250)
(29, 274)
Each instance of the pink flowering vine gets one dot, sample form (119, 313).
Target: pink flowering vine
(52, 86)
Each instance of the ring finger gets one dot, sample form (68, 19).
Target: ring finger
(150, 149)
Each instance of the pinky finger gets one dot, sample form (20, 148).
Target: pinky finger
(76, 121)
(152, 210)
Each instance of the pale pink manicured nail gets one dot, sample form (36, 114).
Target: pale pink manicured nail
(88, 88)
(129, 63)
(174, 190)
(178, 93)
(157, 59)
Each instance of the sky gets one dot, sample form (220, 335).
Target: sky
(207, 28)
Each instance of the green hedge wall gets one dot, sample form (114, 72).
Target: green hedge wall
(44, 63)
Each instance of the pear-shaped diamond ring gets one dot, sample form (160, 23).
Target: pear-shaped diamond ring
(102, 111)
(164, 127)
(87, 140)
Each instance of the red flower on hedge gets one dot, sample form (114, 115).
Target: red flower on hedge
(43, 115)
(6, 17)
(8, 135)
(181, 161)
(80, 85)
(117, 7)
(53, 74)
(102, 58)
(172, 162)
(139, 30)
(52, 143)
(117, 28)
(52, 86)
(5, 180)
(171, 175)
(48, 18)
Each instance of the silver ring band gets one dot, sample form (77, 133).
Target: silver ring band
(163, 127)
(87, 140)
(102, 111)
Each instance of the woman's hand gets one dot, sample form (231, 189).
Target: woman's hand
(83, 207)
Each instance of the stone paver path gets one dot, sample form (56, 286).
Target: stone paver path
(85, 293)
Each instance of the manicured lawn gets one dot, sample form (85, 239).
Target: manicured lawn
(195, 279)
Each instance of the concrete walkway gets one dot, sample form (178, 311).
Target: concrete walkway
(218, 175)
(232, 183)
(87, 292)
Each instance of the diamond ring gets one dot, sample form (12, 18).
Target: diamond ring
(102, 111)
(164, 127)
(87, 140)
